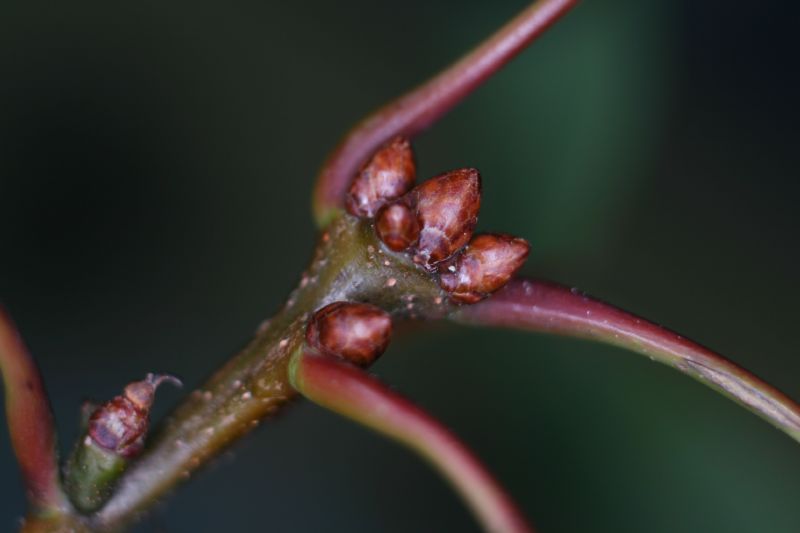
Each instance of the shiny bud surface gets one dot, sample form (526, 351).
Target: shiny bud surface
(121, 424)
(388, 175)
(483, 267)
(396, 225)
(356, 332)
(447, 211)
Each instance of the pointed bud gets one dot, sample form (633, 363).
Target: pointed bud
(142, 393)
(388, 175)
(483, 267)
(88, 408)
(447, 210)
(356, 332)
(120, 425)
(397, 226)
(115, 434)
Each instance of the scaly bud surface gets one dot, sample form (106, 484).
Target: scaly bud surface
(115, 434)
(483, 267)
(396, 225)
(357, 332)
(447, 211)
(388, 175)
(120, 425)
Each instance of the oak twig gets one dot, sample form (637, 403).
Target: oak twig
(351, 392)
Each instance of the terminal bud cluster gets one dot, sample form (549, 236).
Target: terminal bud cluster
(434, 223)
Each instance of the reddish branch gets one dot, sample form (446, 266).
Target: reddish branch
(351, 392)
(551, 308)
(423, 106)
(30, 421)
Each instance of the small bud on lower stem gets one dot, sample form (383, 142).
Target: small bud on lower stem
(483, 267)
(115, 434)
(397, 226)
(388, 175)
(356, 332)
(121, 424)
(447, 210)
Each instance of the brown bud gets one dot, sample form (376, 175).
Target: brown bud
(121, 424)
(397, 226)
(356, 332)
(388, 175)
(118, 427)
(141, 393)
(447, 210)
(483, 267)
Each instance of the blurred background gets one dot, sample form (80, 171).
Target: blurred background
(156, 162)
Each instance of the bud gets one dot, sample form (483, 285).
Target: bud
(115, 434)
(388, 175)
(483, 267)
(397, 226)
(120, 425)
(447, 210)
(356, 332)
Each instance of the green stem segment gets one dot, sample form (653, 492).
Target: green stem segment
(92, 472)
(535, 305)
(351, 392)
(350, 265)
(30, 422)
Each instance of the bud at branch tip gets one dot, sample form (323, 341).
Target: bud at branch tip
(447, 210)
(483, 267)
(388, 175)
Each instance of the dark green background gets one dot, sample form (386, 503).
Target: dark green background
(156, 161)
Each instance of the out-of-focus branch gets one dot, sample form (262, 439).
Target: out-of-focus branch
(424, 105)
(30, 421)
(547, 307)
(351, 392)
